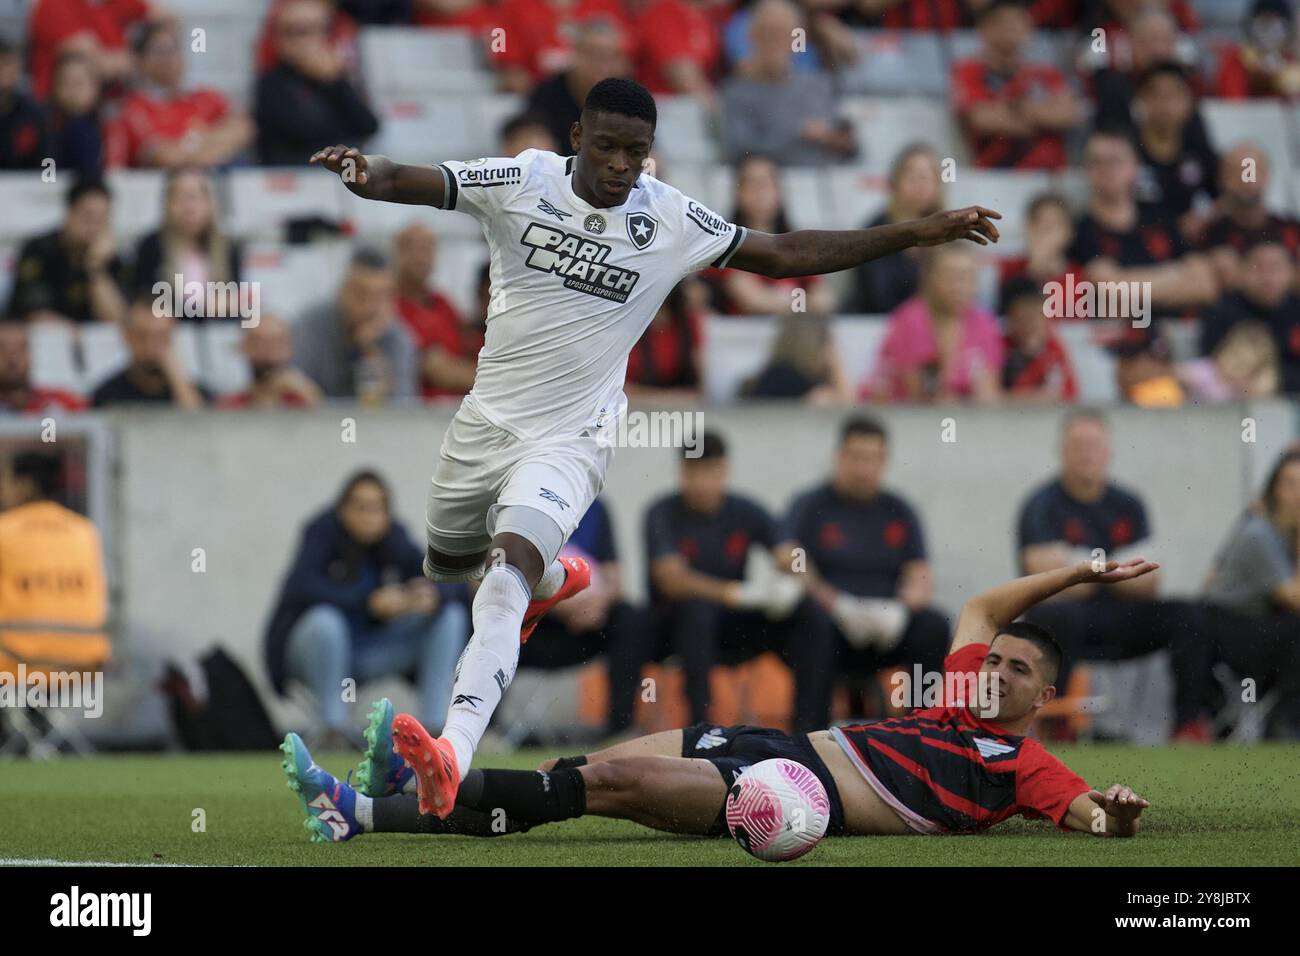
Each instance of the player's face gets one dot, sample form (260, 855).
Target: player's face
(1018, 682)
(611, 149)
(704, 484)
(1085, 451)
(860, 466)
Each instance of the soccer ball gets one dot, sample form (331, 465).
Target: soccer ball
(778, 810)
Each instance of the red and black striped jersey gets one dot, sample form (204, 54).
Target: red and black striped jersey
(944, 770)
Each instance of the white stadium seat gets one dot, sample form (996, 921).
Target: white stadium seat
(1006, 191)
(31, 206)
(54, 357)
(8, 262)
(402, 61)
(1094, 367)
(456, 270)
(103, 354)
(858, 196)
(261, 200)
(222, 366)
(293, 278)
(1222, 13)
(807, 204)
(226, 59)
(896, 61)
(857, 341)
(430, 130)
(884, 126)
(137, 202)
(1258, 121)
(685, 130)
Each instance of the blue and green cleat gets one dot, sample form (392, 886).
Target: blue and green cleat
(382, 772)
(330, 803)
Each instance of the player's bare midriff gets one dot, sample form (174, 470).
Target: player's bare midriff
(864, 811)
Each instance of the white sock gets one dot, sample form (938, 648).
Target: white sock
(365, 812)
(487, 667)
(412, 785)
(551, 582)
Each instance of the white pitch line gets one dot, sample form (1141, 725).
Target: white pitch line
(45, 861)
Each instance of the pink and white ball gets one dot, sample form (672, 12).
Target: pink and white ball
(778, 810)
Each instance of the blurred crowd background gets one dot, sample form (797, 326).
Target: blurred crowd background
(1124, 141)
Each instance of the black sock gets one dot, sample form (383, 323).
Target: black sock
(528, 796)
(471, 788)
(400, 813)
(568, 763)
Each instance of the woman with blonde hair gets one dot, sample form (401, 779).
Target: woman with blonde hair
(191, 245)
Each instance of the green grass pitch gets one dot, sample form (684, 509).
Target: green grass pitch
(1219, 806)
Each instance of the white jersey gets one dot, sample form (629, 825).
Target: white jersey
(573, 286)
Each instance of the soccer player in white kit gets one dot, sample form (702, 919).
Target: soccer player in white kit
(584, 250)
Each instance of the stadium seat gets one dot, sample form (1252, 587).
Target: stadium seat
(54, 358)
(226, 61)
(1047, 47)
(896, 62)
(1224, 13)
(457, 268)
(1258, 121)
(1007, 191)
(856, 196)
(422, 130)
(137, 202)
(8, 262)
(710, 183)
(807, 203)
(31, 206)
(222, 366)
(857, 342)
(262, 200)
(404, 62)
(294, 278)
(1094, 367)
(884, 126)
(685, 131)
(735, 347)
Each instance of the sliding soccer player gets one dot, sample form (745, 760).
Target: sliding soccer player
(584, 250)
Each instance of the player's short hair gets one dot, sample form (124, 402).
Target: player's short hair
(865, 426)
(625, 97)
(1163, 68)
(1270, 487)
(711, 447)
(997, 6)
(1048, 646)
(40, 468)
(86, 186)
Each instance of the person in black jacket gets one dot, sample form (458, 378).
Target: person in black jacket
(1268, 273)
(356, 604)
(308, 100)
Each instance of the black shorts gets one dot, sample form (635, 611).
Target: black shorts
(734, 749)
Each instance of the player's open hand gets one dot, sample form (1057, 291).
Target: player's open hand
(973, 223)
(346, 161)
(1120, 802)
(1112, 572)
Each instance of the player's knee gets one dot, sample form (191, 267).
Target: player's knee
(615, 776)
(451, 568)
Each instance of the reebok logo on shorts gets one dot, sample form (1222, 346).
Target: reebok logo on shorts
(710, 740)
(551, 496)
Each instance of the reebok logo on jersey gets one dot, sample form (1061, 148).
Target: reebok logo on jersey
(991, 748)
(490, 176)
(579, 260)
(710, 222)
(545, 206)
(551, 496)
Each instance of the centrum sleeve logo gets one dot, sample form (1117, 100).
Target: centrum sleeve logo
(706, 219)
(581, 262)
(490, 176)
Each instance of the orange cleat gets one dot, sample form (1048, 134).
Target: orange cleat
(577, 579)
(437, 775)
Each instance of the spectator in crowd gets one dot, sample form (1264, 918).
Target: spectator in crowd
(1267, 296)
(1265, 62)
(1119, 240)
(17, 393)
(939, 345)
(768, 107)
(75, 140)
(1144, 36)
(165, 124)
(803, 364)
(1145, 371)
(665, 364)
(528, 131)
(1049, 233)
(759, 205)
(1015, 112)
(93, 27)
(355, 604)
(1063, 522)
(1036, 367)
(915, 191)
(540, 39)
(447, 358)
(53, 588)
(1253, 597)
(678, 49)
(307, 99)
(1244, 365)
(597, 621)
(155, 374)
(862, 551)
(1243, 219)
(1179, 174)
(72, 274)
(22, 122)
(600, 49)
(704, 608)
(355, 346)
(191, 247)
(276, 383)
(340, 34)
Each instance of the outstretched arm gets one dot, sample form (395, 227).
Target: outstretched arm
(1115, 813)
(807, 252)
(378, 177)
(984, 614)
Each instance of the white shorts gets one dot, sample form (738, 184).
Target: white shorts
(482, 469)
